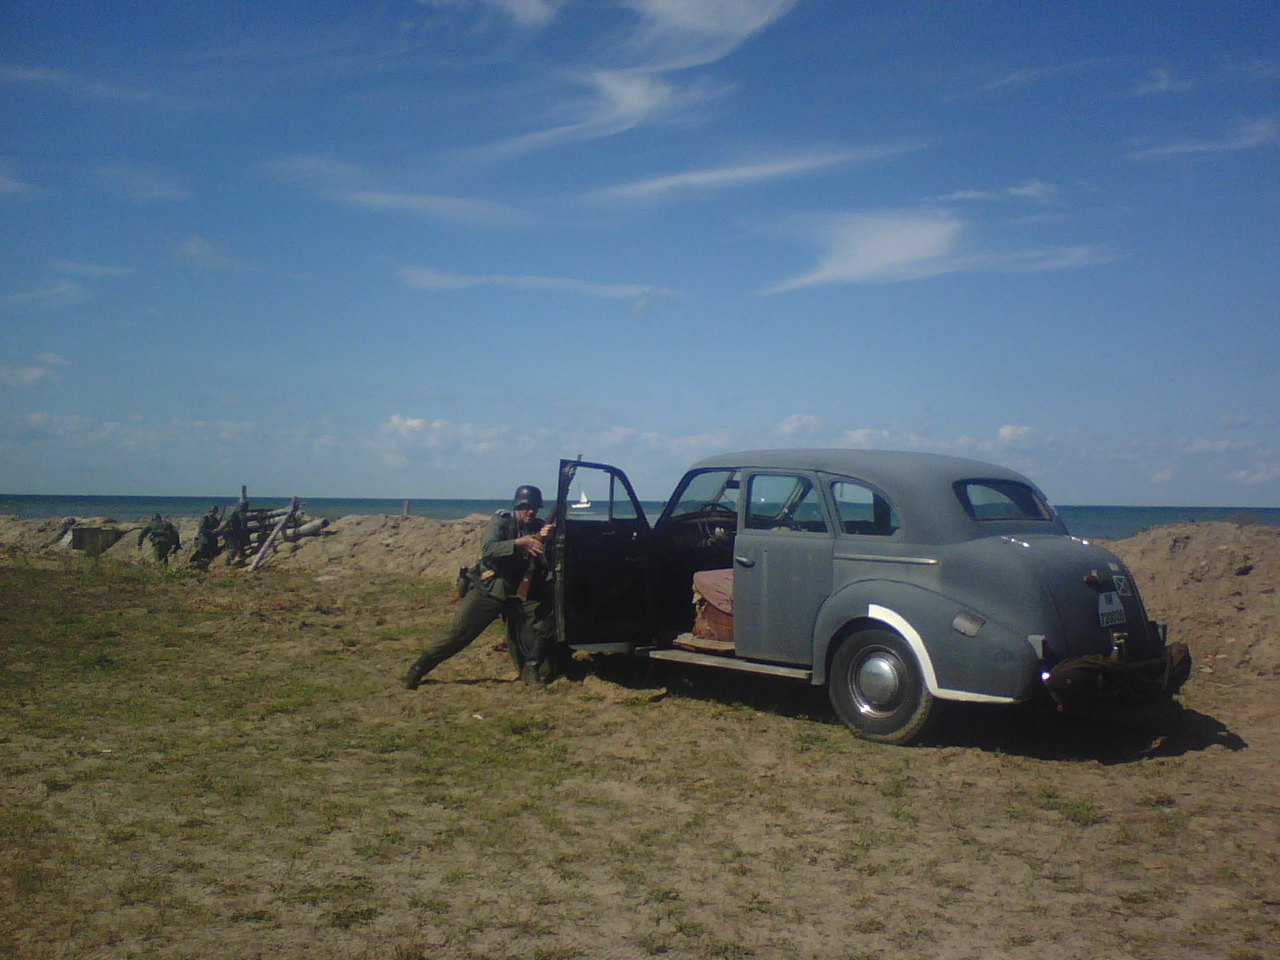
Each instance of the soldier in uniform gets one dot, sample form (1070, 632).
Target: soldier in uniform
(235, 533)
(514, 547)
(163, 536)
(206, 540)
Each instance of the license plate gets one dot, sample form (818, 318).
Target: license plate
(1110, 609)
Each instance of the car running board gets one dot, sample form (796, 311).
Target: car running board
(724, 663)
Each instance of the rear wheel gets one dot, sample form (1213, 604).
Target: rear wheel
(877, 688)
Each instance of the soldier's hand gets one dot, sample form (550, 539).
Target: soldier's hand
(531, 545)
(547, 531)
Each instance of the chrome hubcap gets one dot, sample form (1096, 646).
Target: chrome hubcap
(878, 682)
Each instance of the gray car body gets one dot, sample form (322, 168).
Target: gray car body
(987, 606)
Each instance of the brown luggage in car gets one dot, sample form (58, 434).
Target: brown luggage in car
(713, 606)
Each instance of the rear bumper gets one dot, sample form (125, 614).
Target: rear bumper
(1098, 677)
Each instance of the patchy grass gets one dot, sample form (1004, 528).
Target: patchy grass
(225, 766)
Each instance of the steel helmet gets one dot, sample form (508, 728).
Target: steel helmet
(527, 496)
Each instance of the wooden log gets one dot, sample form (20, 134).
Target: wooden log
(266, 546)
(312, 528)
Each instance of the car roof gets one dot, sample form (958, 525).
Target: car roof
(919, 485)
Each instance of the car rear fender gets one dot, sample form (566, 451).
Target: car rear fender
(962, 655)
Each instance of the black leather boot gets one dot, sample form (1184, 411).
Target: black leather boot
(414, 677)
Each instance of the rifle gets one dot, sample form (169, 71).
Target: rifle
(526, 582)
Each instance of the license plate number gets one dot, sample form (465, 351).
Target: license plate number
(1110, 609)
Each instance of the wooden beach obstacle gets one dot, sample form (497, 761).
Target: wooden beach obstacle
(265, 528)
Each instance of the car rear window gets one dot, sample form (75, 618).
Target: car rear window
(1001, 500)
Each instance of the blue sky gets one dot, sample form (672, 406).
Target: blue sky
(424, 249)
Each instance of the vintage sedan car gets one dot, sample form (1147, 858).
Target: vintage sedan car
(896, 580)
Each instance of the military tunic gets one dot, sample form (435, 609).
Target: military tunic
(492, 593)
(235, 534)
(206, 540)
(164, 538)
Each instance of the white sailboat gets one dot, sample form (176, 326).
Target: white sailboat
(582, 502)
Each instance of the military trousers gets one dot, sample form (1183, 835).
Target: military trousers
(529, 630)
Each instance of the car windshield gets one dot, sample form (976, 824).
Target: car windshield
(1001, 500)
(710, 491)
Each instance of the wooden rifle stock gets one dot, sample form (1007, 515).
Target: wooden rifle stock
(526, 582)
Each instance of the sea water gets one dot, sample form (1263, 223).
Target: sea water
(1097, 522)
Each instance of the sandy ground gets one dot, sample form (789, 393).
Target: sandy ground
(1003, 836)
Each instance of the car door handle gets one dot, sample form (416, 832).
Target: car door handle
(744, 561)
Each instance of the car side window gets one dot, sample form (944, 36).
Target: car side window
(784, 502)
(596, 494)
(863, 511)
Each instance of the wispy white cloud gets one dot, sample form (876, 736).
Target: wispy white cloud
(1018, 79)
(905, 438)
(143, 182)
(678, 34)
(443, 443)
(338, 181)
(1013, 435)
(1034, 189)
(10, 183)
(42, 425)
(881, 248)
(633, 81)
(896, 246)
(402, 440)
(868, 438)
(319, 171)
(432, 206)
(685, 447)
(617, 101)
(1196, 446)
(1162, 81)
(614, 436)
(716, 178)
(1263, 471)
(1037, 259)
(440, 432)
(1247, 457)
(199, 252)
(29, 376)
(1006, 440)
(798, 424)
(427, 278)
(1247, 135)
(61, 294)
(81, 269)
(529, 14)
(1263, 69)
(75, 434)
(73, 84)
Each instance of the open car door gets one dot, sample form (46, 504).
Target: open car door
(602, 542)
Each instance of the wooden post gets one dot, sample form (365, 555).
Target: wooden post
(266, 546)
